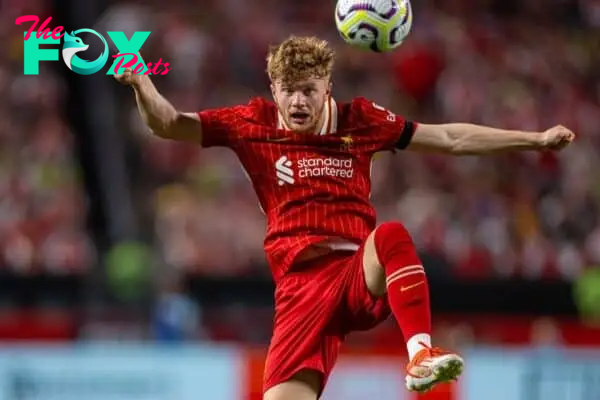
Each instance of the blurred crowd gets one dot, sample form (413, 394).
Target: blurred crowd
(42, 201)
(523, 65)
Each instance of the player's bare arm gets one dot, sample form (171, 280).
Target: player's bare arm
(158, 113)
(469, 139)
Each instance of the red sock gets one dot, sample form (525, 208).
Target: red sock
(407, 288)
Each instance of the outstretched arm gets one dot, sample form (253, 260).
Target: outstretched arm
(158, 113)
(469, 139)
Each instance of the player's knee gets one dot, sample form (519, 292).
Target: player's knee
(303, 385)
(392, 238)
(390, 234)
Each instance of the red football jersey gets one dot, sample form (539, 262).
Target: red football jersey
(313, 188)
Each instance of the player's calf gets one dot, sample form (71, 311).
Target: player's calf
(391, 264)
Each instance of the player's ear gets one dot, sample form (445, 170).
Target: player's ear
(329, 87)
(272, 86)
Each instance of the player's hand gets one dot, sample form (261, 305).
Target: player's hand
(557, 138)
(128, 77)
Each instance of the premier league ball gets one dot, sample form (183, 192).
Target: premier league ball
(377, 25)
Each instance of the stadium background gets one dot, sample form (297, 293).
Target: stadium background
(132, 267)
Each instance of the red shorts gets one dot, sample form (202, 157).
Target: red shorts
(315, 308)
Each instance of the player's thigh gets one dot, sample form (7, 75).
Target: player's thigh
(304, 385)
(306, 334)
(364, 310)
(373, 271)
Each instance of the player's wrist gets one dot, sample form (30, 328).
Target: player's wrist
(139, 82)
(541, 139)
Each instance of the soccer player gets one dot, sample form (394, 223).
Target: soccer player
(308, 157)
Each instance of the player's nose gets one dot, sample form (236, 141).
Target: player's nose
(298, 100)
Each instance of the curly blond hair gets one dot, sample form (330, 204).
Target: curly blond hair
(300, 57)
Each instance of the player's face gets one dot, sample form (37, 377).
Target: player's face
(301, 103)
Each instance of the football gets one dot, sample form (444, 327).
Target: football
(377, 25)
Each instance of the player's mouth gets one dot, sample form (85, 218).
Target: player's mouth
(299, 118)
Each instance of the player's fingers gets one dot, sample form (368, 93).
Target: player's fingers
(560, 137)
(568, 133)
(561, 144)
(125, 77)
(567, 138)
(125, 71)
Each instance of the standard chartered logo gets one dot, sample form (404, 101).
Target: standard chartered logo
(330, 166)
(312, 168)
(284, 172)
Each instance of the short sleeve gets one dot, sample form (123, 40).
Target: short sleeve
(406, 134)
(221, 126)
(391, 131)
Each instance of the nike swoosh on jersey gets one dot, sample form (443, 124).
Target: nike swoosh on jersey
(405, 288)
